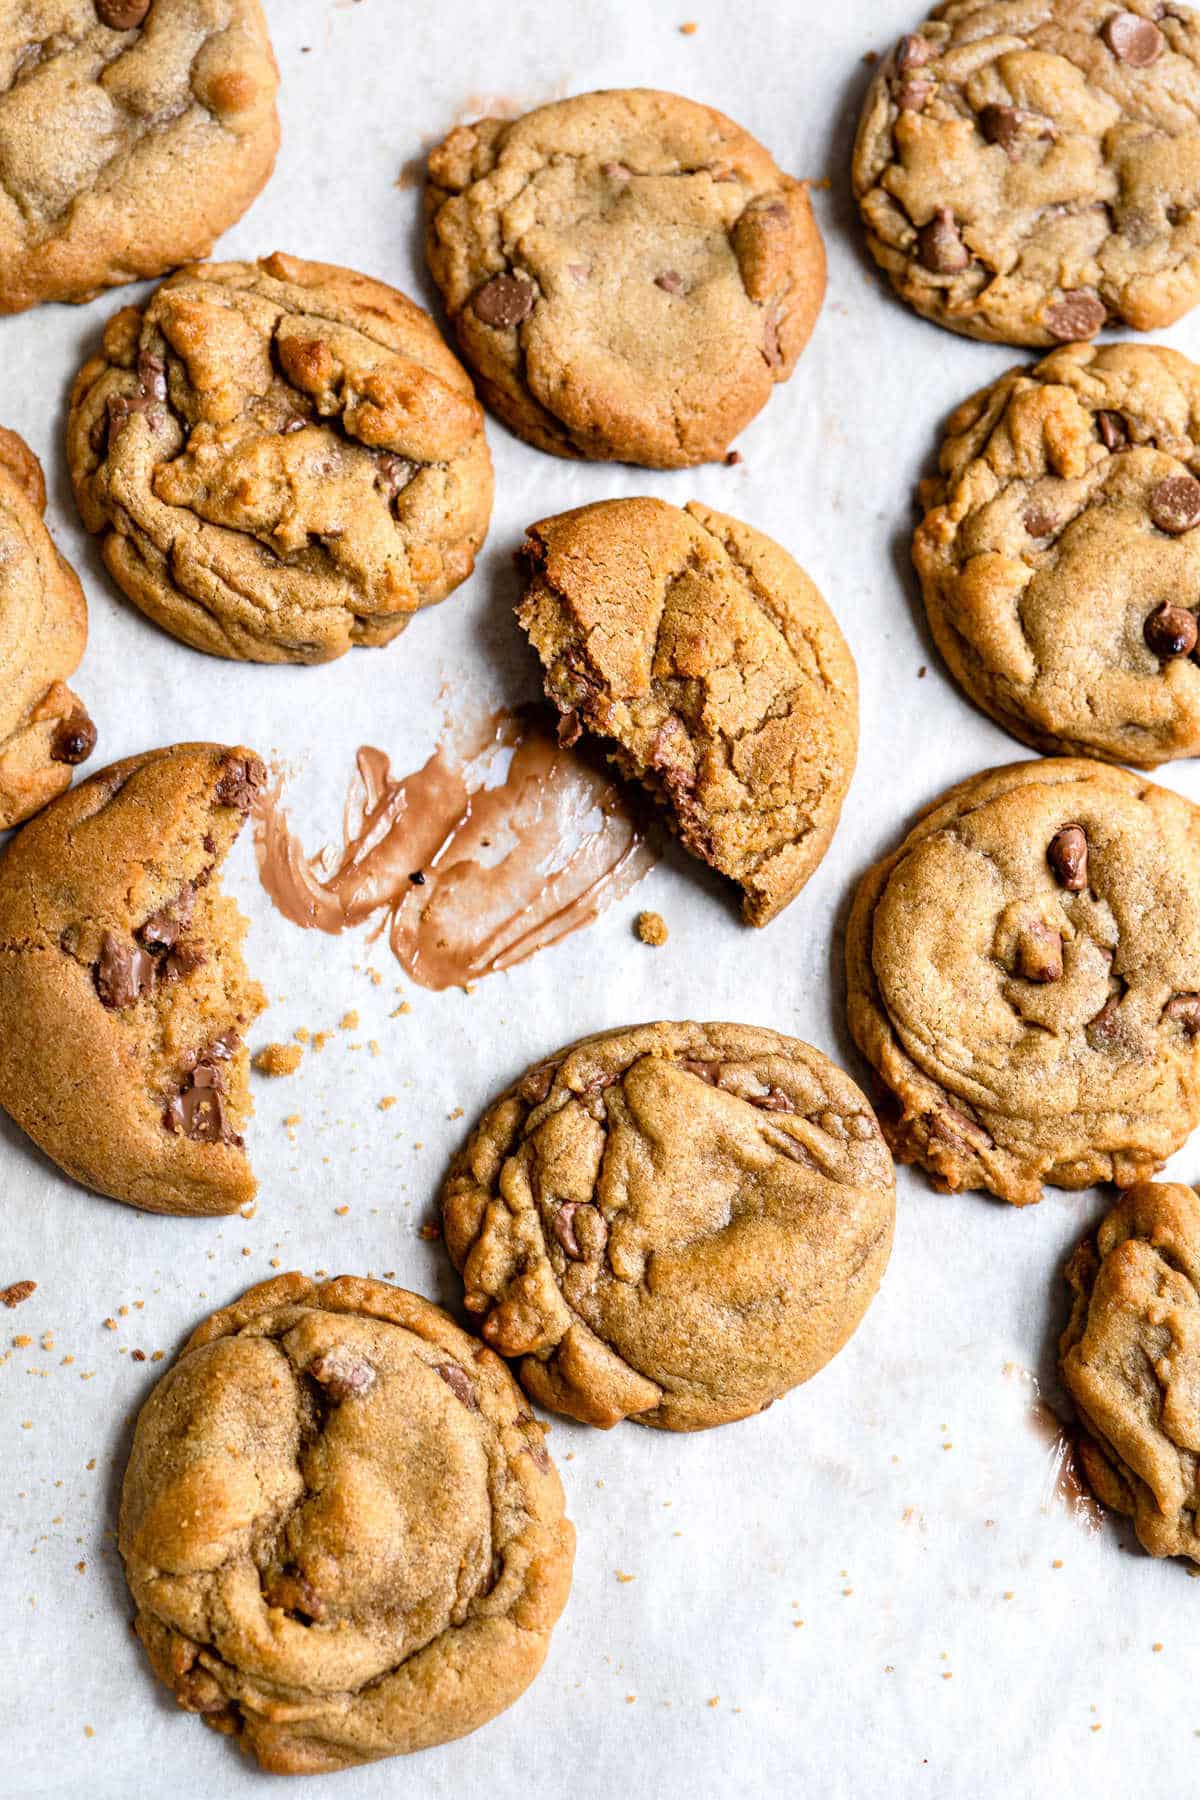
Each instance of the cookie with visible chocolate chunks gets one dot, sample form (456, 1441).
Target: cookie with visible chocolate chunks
(1130, 1360)
(1028, 170)
(1024, 977)
(124, 999)
(45, 730)
(628, 272)
(1059, 554)
(281, 459)
(673, 1223)
(336, 1496)
(712, 671)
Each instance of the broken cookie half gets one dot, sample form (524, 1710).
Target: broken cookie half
(124, 999)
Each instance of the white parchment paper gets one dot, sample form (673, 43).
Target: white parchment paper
(867, 1590)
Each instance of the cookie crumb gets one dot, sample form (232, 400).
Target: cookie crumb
(279, 1059)
(138, 1355)
(16, 1292)
(88, 1732)
(922, 672)
(870, 57)
(110, 1324)
(341, 1211)
(733, 458)
(349, 1021)
(688, 28)
(386, 1104)
(302, 1034)
(622, 1576)
(22, 1342)
(430, 1233)
(651, 928)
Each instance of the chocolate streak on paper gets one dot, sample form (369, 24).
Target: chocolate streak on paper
(468, 865)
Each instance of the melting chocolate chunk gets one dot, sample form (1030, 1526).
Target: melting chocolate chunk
(670, 281)
(292, 1591)
(342, 1373)
(183, 960)
(198, 1110)
(459, 1383)
(1170, 631)
(1185, 1008)
(939, 244)
(1175, 504)
(504, 301)
(563, 1225)
(1133, 40)
(1038, 522)
(239, 782)
(1114, 433)
(1011, 126)
(1068, 857)
(1040, 953)
(162, 929)
(122, 15)
(124, 971)
(1077, 315)
(74, 740)
(913, 52)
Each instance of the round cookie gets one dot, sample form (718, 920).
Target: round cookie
(1130, 1359)
(628, 273)
(132, 133)
(281, 459)
(123, 995)
(341, 1528)
(713, 671)
(44, 728)
(1027, 170)
(1059, 555)
(1024, 975)
(672, 1223)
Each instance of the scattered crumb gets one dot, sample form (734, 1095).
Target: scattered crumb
(796, 1624)
(320, 1039)
(651, 927)
(1008, 1593)
(88, 1732)
(403, 1007)
(688, 29)
(430, 1233)
(456, 1114)
(1095, 1728)
(1057, 1563)
(373, 1046)
(302, 1034)
(157, 1355)
(292, 1120)
(91, 1463)
(947, 1675)
(110, 1324)
(733, 458)
(22, 1342)
(275, 1262)
(16, 1292)
(715, 1701)
(341, 1211)
(1156, 1648)
(81, 1566)
(629, 1699)
(412, 173)
(922, 672)
(871, 57)
(138, 1355)
(388, 1101)
(279, 1059)
(621, 1575)
(349, 1021)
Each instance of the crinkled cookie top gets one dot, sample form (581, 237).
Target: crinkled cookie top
(673, 1223)
(282, 459)
(342, 1532)
(628, 273)
(1028, 169)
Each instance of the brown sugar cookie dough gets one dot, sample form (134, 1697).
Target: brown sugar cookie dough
(710, 666)
(1029, 170)
(1130, 1359)
(44, 728)
(341, 1528)
(628, 273)
(123, 996)
(1059, 555)
(1024, 975)
(672, 1223)
(132, 133)
(281, 459)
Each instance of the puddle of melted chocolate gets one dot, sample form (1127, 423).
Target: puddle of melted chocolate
(1065, 1484)
(484, 855)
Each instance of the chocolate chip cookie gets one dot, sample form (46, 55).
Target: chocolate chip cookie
(1028, 170)
(132, 133)
(1024, 975)
(672, 1223)
(1059, 556)
(123, 996)
(628, 273)
(281, 459)
(1130, 1359)
(341, 1528)
(714, 673)
(44, 728)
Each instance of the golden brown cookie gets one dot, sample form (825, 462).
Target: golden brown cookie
(672, 1223)
(714, 673)
(281, 459)
(1024, 975)
(1130, 1359)
(132, 133)
(1027, 170)
(123, 996)
(628, 273)
(341, 1528)
(44, 728)
(1060, 557)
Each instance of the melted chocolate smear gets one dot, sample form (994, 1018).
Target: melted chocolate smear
(1065, 1484)
(519, 840)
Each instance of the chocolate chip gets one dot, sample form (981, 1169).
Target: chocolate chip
(504, 301)
(121, 15)
(536, 1085)
(1011, 126)
(162, 929)
(1038, 522)
(395, 473)
(563, 1226)
(74, 740)
(569, 728)
(1039, 953)
(670, 282)
(239, 782)
(459, 1383)
(1068, 857)
(183, 960)
(123, 972)
(152, 374)
(912, 94)
(1170, 631)
(417, 878)
(1114, 433)
(342, 1373)
(1133, 40)
(1105, 1028)
(198, 1109)
(939, 244)
(292, 1592)
(913, 52)
(1077, 315)
(1175, 504)
(1185, 1008)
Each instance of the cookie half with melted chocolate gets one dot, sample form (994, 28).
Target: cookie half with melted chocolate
(124, 999)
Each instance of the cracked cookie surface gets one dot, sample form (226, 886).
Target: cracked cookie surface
(674, 1223)
(282, 459)
(1130, 1359)
(123, 995)
(1060, 557)
(1028, 170)
(45, 730)
(628, 273)
(1024, 976)
(340, 1526)
(132, 133)
(704, 658)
